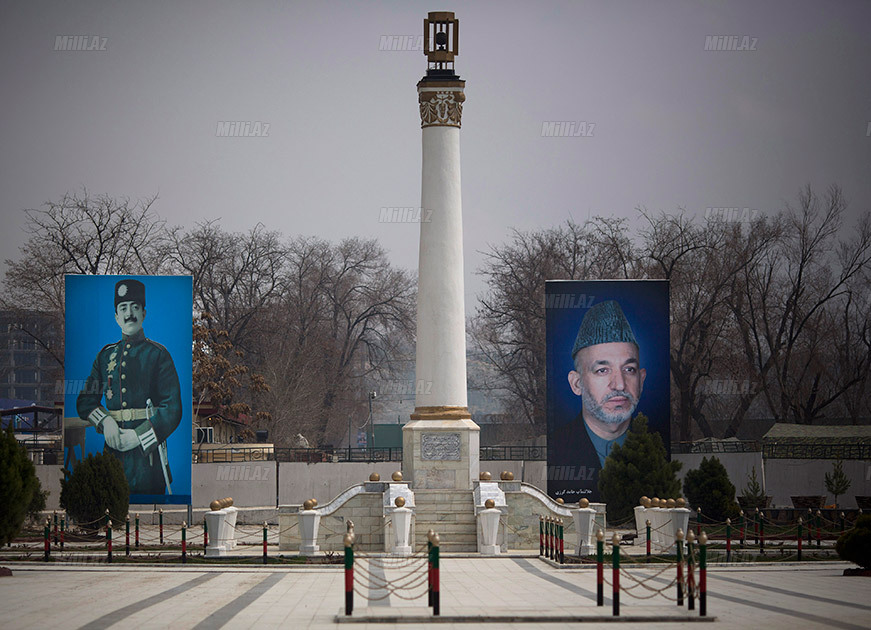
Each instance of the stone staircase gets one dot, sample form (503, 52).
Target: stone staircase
(451, 514)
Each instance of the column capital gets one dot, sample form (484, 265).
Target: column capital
(441, 103)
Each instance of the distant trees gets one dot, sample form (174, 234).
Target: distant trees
(778, 307)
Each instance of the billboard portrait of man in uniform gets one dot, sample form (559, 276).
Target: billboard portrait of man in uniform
(605, 368)
(133, 396)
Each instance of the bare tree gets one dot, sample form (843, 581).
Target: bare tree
(81, 234)
(784, 305)
(235, 276)
(701, 262)
(343, 315)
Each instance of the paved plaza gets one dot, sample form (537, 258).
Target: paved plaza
(503, 592)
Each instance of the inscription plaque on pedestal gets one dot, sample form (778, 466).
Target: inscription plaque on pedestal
(440, 446)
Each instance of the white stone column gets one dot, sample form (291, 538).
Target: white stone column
(680, 519)
(216, 522)
(232, 513)
(441, 443)
(309, 521)
(401, 529)
(488, 520)
(585, 520)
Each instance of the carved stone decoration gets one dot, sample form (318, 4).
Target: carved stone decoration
(440, 446)
(443, 109)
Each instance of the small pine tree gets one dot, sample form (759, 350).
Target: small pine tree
(710, 489)
(18, 483)
(96, 484)
(838, 482)
(639, 467)
(753, 496)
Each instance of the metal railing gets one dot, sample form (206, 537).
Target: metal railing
(513, 453)
(724, 446)
(816, 451)
(232, 454)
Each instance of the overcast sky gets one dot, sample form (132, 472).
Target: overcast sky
(672, 124)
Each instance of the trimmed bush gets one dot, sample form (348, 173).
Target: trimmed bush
(854, 545)
(18, 484)
(640, 467)
(96, 484)
(709, 488)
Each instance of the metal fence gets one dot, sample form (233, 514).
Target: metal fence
(513, 453)
(776, 450)
(232, 454)
(724, 446)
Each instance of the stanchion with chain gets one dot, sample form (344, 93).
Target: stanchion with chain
(691, 577)
(698, 520)
(679, 580)
(46, 541)
(600, 569)
(429, 559)
(540, 535)
(843, 517)
(109, 539)
(648, 537)
(762, 533)
(160, 517)
(54, 514)
(562, 550)
(741, 514)
(810, 527)
(615, 575)
(127, 536)
(184, 545)
(819, 530)
(137, 530)
(63, 522)
(106, 516)
(436, 590)
(728, 540)
(756, 527)
(553, 538)
(798, 538)
(265, 526)
(703, 575)
(547, 537)
(348, 539)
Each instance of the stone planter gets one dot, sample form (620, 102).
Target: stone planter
(812, 501)
(863, 503)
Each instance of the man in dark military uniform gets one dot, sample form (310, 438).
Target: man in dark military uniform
(142, 392)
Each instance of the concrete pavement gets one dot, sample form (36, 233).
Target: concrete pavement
(504, 589)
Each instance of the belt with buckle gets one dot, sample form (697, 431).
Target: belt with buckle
(128, 415)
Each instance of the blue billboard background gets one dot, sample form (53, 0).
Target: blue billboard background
(90, 325)
(646, 306)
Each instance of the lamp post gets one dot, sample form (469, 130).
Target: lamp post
(372, 396)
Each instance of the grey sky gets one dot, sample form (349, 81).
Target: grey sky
(675, 125)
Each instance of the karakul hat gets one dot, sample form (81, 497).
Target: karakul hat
(603, 323)
(129, 291)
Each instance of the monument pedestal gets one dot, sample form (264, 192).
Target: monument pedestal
(441, 454)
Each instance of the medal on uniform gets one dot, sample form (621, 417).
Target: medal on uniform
(110, 367)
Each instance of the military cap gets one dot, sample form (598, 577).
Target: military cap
(603, 323)
(129, 290)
